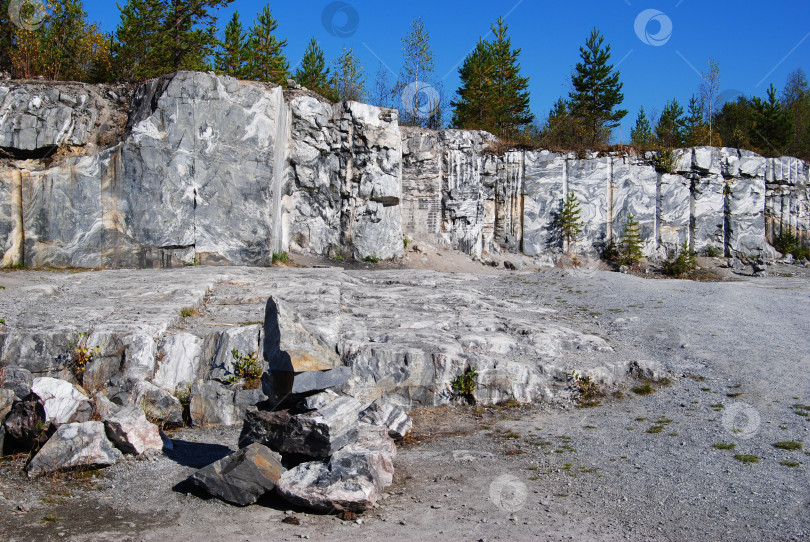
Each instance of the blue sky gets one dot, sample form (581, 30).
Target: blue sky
(755, 43)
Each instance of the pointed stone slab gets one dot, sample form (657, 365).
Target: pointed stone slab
(242, 477)
(75, 446)
(288, 346)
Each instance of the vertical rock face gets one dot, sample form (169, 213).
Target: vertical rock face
(214, 170)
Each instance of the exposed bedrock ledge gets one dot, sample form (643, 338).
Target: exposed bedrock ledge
(199, 168)
(402, 335)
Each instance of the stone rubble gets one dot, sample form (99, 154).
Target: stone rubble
(75, 446)
(132, 433)
(242, 477)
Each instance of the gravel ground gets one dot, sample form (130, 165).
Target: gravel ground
(635, 467)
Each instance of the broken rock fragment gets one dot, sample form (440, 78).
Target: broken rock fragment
(388, 415)
(242, 477)
(75, 446)
(132, 433)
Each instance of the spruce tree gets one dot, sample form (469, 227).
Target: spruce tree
(597, 90)
(493, 95)
(630, 250)
(234, 55)
(349, 78)
(569, 221)
(641, 135)
(268, 62)
(188, 36)
(511, 96)
(313, 73)
(772, 130)
(696, 132)
(137, 41)
(473, 109)
(669, 130)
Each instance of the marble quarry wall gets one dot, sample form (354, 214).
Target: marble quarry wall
(732, 200)
(198, 168)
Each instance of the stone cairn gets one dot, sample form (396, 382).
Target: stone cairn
(313, 445)
(316, 447)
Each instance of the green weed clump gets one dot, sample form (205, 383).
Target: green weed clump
(682, 263)
(246, 367)
(282, 257)
(465, 384)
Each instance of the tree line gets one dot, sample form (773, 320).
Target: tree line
(155, 37)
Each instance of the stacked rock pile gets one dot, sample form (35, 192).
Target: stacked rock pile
(314, 446)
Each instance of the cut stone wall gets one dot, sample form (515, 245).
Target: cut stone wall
(198, 168)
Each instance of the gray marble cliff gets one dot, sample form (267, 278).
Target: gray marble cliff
(194, 167)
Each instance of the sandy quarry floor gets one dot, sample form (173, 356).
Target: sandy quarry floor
(633, 468)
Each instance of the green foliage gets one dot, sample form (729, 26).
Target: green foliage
(465, 384)
(81, 355)
(786, 242)
(268, 62)
(336, 255)
(417, 68)
(349, 77)
(669, 131)
(234, 55)
(724, 446)
(587, 389)
(746, 458)
(643, 389)
(569, 221)
(641, 136)
(372, 259)
(188, 312)
(712, 252)
(630, 251)
(246, 367)
(155, 37)
(682, 263)
(63, 46)
(772, 129)
(493, 95)
(596, 90)
(313, 73)
(664, 161)
(283, 258)
(788, 445)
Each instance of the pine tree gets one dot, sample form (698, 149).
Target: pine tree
(313, 73)
(569, 221)
(6, 37)
(772, 130)
(473, 109)
(597, 90)
(269, 62)
(137, 41)
(417, 71)
(188, 37)
(734, 123)
(696, 132)
(493, 95)
(349, 78)
(234, 56)
(641, 135)
(630, 251)
(669, 130)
